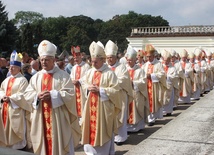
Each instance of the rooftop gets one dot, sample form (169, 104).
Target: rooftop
(167, 31)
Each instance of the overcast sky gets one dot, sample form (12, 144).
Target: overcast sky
(176, 12)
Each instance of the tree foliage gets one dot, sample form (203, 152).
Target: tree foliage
(65, 32)
(27, 17)
(8, 33)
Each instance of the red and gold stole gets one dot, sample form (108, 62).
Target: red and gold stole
(166, 68)
(5, 104)
(209, 61)
(149, 87)
(199, 63)
(131, 105)
(173, 63)
(47, 113)
(94, 107)
(113, 68)
(183, 65)
(78, 95)
(194, 85)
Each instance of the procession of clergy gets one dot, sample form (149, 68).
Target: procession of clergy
(96, 105)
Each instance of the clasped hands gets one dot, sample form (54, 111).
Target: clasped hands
(76, 82)
(44, 95)
(6, 99)
(148, 76)
(93, 88)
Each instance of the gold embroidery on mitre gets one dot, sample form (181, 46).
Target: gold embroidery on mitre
(44, 46)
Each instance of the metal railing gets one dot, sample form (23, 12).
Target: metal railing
(172, 30)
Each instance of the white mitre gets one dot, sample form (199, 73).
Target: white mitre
(183, 53)
(47, 48)
(165, 54)
(131, 53)
(111, 48)
(96, 51)
(197, 51)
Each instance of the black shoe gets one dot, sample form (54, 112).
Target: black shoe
(151, 124)
(175, 108)
(206, 92)
(169, 114)
(118, 143)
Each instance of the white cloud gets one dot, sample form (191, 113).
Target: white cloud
(176, 12)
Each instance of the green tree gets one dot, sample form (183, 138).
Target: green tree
(8, 33)
(30, 30)
(119, 27)
(76, 37)
(55, 29)
(27, 39)
(81, 31)
(26, 17)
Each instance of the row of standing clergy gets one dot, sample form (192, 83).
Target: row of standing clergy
(150, 90)
(109, 99)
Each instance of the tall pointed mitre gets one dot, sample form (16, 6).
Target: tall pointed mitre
(111, 48)
(141, 53)
(96, 51)
(173, 52)
(150, 49)
(191, 55)
(203, 53)
(15, 59)
(131, 53)
(197, 52)
(75, 51)
(183, 53)
(208, 52)
(100, 44)
(46, 48)
(165, 54)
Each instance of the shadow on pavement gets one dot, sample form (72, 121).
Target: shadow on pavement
(136, 138)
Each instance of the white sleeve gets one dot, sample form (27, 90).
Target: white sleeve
(135, 87)
(14, 106)
(56, 99)
(36, 102)
(103, 95)
(168, 80)
(154, 78)
(186, 74)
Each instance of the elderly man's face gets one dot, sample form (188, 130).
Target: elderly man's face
(14, 70)
(192, 60)
(47, 62)
(150, 57)
(184, 59)
(173, 58)
(4, 62)
(111, 59)
(131, 62)
(78, 59)
(166, 61)
(97, 62)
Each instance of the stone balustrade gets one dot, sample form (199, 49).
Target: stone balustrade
(172, 30)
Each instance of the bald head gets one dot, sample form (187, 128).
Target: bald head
(35, 64)
(3, 62)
